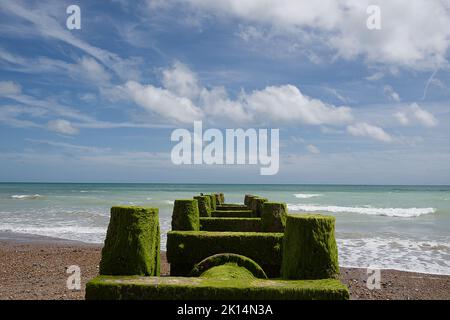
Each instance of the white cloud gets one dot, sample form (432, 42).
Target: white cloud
(62, 126)
(221, 109)
(10, 116)
(183, 99)
(402, 118)
(375, 77)
(93, 70)
(391, 94)
(44, 21)
(163, 102)
(181, 80)
(424, 117)
(85, 68)
(415, 114)
(49, 108)
(49, 105)
(407, 38)
(8, 88)
(287, 104)
(313, 149)
(363, 129)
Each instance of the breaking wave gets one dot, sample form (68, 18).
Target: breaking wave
(26, 196)
(306, 195)
(389, 212)
(418, 255)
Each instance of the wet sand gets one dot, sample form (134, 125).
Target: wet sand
(34, 267)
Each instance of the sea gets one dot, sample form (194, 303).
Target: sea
(387, 227)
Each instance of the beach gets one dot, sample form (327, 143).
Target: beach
(34, 268)
(400, 230)
(385, 227)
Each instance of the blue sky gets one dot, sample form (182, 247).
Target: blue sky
(353, 105)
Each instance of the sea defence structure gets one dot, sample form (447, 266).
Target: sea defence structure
(219, 250)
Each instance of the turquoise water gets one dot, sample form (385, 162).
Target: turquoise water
(400, 227)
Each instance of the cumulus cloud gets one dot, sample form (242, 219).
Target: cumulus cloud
(406, 38)
(183, 99)
(163, 102)
(415, 114)
(219, 107)
(363, 129)
(181, 80)
(62, 126)
(286, 103)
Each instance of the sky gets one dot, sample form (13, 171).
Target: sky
(353, 105)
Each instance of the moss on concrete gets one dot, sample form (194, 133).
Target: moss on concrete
(189, 247)
(185, 215)
(228, 271)
(225, 258)
(204, 206)
(247, 200)
(132, 242)
(232, 214)
(273, 217)
(217, 196)
(231, 206)
(230, 224)
(256, 205)
(309, 248)
(213, 201)
(176, 288)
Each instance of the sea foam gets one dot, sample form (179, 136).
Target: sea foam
(306, 195)
(74, 232)
(389, 212)
(26, 196)
(418, 255)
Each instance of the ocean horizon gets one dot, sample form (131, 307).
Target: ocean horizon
(403, 227)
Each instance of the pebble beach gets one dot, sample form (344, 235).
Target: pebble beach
(34, 268)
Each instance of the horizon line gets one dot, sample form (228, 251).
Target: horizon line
(204, 183)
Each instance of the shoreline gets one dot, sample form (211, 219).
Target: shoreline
(18, 237)
(34, 267)
(30, 238)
